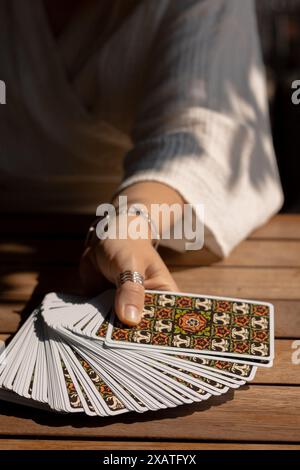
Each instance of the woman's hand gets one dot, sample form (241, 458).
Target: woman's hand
(106, 259)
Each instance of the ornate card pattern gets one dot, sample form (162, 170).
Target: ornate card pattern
(200, 323)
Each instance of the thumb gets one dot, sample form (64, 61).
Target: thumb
(129, 302)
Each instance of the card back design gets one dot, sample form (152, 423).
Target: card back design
(111, 400)
(204, 324)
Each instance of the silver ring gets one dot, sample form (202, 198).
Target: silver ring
(131, 276)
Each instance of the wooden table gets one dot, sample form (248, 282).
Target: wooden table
(39, 254)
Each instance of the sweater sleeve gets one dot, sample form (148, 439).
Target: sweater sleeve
(203, 125)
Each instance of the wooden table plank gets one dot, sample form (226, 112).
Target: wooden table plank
(283, 370)
(4, 337)
(260, 283)
(35, 253)
(282, 226)
(10, 316)
(287, 318)
(258, 253)
(18, 285)
(257, 413)
(38, 444)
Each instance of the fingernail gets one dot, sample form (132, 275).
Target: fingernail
(132, 314)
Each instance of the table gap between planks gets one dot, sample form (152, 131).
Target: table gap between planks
(40, 254)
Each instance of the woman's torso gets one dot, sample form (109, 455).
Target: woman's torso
(71, 103)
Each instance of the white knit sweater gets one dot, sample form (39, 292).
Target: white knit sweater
(177, 91)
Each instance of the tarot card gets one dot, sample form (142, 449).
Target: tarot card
(135, 399)
(15, 353)
(72, 355)
(15, 344)
(168, 382)
(188, 366)
(113, 363)
(96, 384)
(227, 327)
(177, 372)
(240, 375)
(67, 312)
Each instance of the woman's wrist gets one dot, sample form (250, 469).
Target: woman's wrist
(132, 226)
(150, 194)
(133, 218)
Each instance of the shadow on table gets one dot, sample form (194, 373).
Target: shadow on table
(39, 254)
(51, 419)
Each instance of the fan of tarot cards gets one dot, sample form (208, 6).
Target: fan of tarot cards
(73, 355)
